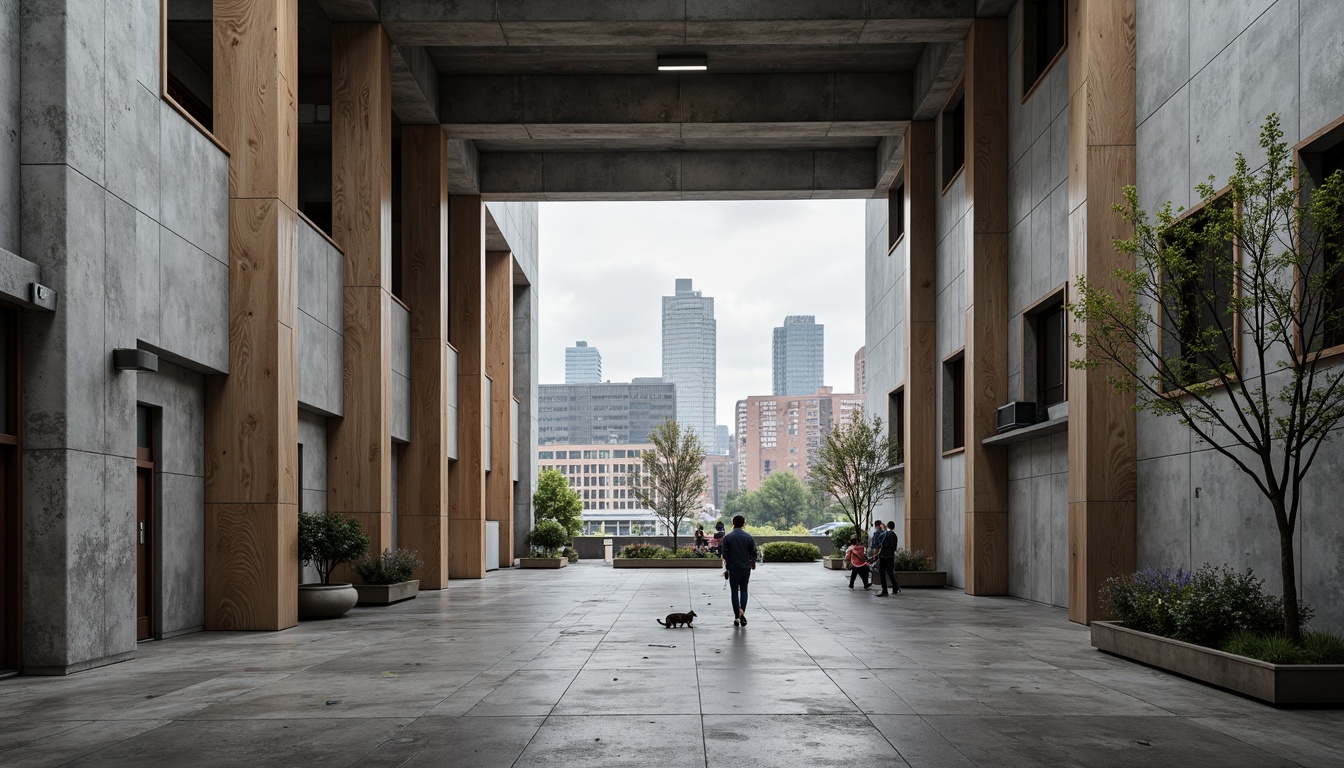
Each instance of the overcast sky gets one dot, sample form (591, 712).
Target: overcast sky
(606, 266)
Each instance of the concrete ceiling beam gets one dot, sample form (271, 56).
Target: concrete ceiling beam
(936, 74)
(675, 22)
(464, 167)
(695, 105)
(351, 10)
(680, 175)
(415, 86)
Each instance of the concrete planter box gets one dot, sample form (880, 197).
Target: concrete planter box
(832, 564)
(921, 579)
(543, 562)
(1278, 684)
(683, 562)
(387, 594)
(326, 601)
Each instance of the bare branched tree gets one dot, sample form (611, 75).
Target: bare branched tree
(669, 482)
(849, 467)
(1223, 322)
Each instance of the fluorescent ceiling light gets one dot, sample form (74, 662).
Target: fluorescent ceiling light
(683, 62)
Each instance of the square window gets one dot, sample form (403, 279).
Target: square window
(896, 420)
(954, 402)
(1043, 37)
(1045, 353)
(1320, 160)
(896, 210)
(954, 137)
(1198, 324)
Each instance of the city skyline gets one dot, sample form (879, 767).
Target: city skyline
(605, 261)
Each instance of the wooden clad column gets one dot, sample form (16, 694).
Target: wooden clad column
(251, 428)
(360, 443)
(422, 517)
(986, 89)
(1102, 468)
(921, 354)
(466, 332)
(499, 367)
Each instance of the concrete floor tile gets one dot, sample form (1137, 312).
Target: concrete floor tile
(752, 690)
(526, 692)
(669, 691)
(919, 743)
(998, 741)
(1306, 738)
(1142, 742)
(432, 742)
(637, 741)
(793, 741)
(69, 745)
(328, 695)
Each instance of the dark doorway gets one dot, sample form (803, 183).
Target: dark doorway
(144, 525)
(11, 527)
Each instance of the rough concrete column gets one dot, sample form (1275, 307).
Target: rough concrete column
(9, 127)
(525, 378)
(1102, 430)
(360, 458)
(422, 516)
(921, 341)
(986, 367)
(466, 332)
(499, 367)
(251, 430)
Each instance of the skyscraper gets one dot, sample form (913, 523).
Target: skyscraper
(583, 364)
(861, 370)
(690, 348)
(798, 355)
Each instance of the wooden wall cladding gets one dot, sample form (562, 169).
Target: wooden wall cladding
(466, 332)
(499, 367)
(921, 355)
(360, 443)
(986, 93)
(1102, 432)
(251, 423)
(422, 514)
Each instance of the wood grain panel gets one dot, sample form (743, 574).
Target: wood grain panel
(251, 422)
(422, 515)
(986, 467)
(499, 367)
(252, 566)
(921, 354)
(1102, 486)
(255, 72)
(466, 332)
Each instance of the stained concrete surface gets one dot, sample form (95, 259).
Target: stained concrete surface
(567, 667)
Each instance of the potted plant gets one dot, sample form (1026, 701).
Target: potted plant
(326, 539)
(388, 577)
(555, 500)
(547, 540)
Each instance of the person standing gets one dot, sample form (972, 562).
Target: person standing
(858, 562)
(875, 549)
(886, 560)
(738, 551)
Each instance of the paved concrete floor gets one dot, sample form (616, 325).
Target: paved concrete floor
(568, 668)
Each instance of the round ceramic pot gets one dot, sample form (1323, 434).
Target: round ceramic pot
(326, 601)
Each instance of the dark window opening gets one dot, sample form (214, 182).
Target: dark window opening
(1197, 319)
(314, 115)
(896, 211)
(1043, 36)
(896, 421)
(1047, 355)
(1326, 328)
(954, 137)
(188, 54)
(954, 403)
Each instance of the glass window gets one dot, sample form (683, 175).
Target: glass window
(954, 137)
(1043, 37)
(954, 404)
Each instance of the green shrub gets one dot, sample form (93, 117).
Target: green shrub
(912, 561)
(389, 567)
(1275, 649)
(1323, 647)
(769, 530)
(840, 537)
(548, 538)
(643, 550)
(690, 553)
(790, 552)
(327, 539)
(571, 555)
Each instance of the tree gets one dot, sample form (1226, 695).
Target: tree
(1169, 331)
(327, 539)
(555, 500)
(668, 480)
(849, 467)
(783, 500)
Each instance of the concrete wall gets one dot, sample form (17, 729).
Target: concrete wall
(9, 127)
(313, 473)
(124, 207)
(178, 394)
(401, 374)
(1207, 76)
(321, 322)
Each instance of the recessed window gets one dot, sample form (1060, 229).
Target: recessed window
(954, 137)
(1043, 35)
(1196, 316)
(896, 210)
(1045, 353)
(896, 421)
(188, 58)
(954, 402)
(1320, 160)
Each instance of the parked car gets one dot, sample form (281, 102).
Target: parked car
(825, 529)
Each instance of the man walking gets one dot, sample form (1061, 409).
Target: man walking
(886, 560)
(875, 551)
(738, 551)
